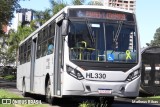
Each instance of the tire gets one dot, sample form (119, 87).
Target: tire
(48, 96)
(24, 89)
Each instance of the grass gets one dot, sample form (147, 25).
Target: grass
(7, 94)
(9, 77)
(87, 104)
(101, 103)
(154, 97)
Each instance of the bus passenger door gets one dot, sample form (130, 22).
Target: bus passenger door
(33, 57)
(58, 61)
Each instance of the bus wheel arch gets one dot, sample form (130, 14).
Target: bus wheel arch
(46, 80)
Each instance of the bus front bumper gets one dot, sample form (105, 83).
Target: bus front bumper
(97, 88)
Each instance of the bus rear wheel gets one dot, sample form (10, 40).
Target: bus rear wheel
(48, 95)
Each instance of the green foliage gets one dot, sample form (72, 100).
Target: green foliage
(87, 104)
(78, 2)
(7, 8)
(156, 41)
(17, 36)
(57, 6)
(6, 94)
(4, 54)
(9, 77)
(14, 40)
(155, 97)
(42, 16)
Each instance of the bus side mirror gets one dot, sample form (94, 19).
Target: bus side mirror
(64, 27)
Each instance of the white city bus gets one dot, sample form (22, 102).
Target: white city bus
(95, 52)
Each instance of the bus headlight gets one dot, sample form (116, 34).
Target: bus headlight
(133, 75)
(74, 73)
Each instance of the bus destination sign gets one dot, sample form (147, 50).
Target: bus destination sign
(101, 14)
(112, 16)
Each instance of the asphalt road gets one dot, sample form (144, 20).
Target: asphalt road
(72, 102)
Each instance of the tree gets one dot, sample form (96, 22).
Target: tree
(78, 2)
(57, 6)
(15, 38)
(3, 48)
(156, 41)
(42, 16)
(7, 8)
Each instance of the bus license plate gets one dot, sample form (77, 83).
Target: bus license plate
(104, 91)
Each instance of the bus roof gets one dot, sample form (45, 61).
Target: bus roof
(64, 10)
(98, 7)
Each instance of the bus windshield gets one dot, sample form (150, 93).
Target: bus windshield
(107, 41)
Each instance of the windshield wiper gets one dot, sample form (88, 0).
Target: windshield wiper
(90, 31)
(117, 35)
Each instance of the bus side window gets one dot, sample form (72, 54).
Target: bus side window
(45, 33)
(25, 52)
(50, 46)
(38, 51)
(52, 30)
(44, 46)
(29, 49)
(40, 35)
(20, 54)
(44, 42)
(51, 39)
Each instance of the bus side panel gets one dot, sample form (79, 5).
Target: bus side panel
(27, 76)
(38, 74)
(43, 66)
(19, 77)
(23, 71)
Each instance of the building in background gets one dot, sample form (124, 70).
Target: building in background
(100, 1)
(123, 4)
(23, 17)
